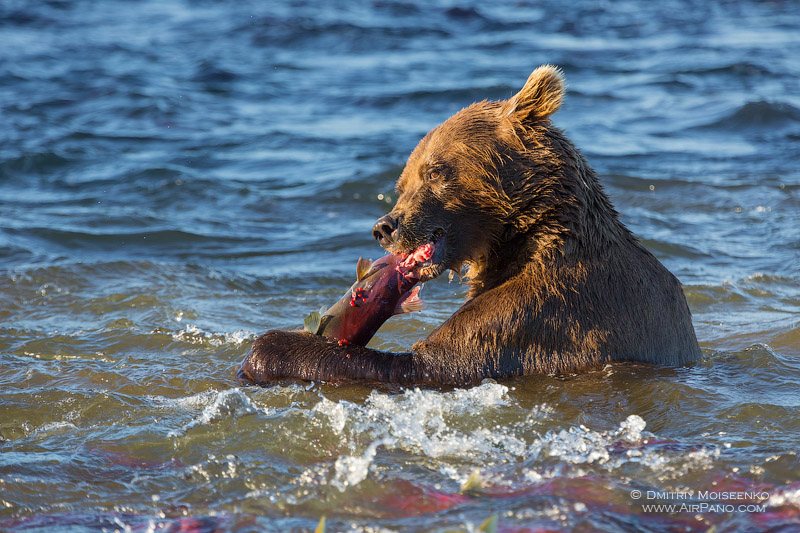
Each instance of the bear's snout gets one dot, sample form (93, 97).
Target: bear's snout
(385, 230)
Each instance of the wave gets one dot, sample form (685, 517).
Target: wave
(757, 115)
(674, 249)
(460, 427)
(211, 73)
(451, 95)
(271, 30)
(114, 241)
(207, 408)
(119, 521)
(36, 163)
(737, 68)
(194, 335)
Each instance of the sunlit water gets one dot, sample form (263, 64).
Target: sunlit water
(178, 176)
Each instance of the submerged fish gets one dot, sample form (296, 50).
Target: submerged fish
(382, 289)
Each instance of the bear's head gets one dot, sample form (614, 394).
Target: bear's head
(491, 172)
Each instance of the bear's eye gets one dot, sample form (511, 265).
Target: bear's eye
(438, 173)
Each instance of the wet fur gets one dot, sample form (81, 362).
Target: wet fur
(557, 283)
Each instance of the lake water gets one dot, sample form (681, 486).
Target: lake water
(177, 177)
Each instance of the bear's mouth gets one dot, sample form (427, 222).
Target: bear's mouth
(426, 261)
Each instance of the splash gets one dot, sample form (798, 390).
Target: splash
(580, 445)
(226, 404)
(352, 470)
(461, 430)
(195, 335)
(422, 421)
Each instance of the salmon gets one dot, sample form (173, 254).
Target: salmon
(383, 288)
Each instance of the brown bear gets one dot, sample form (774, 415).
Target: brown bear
(557, 283)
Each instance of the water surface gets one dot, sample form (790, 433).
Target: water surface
(178, 176)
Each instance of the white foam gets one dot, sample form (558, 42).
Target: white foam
(55, 427)
(581, 445)
(576, 445)
(336, 413)
(195, 401)
(418, 421)
(352, 470)
(214, 468)
(785, 497)
(214, 406)
(228, 403)
(430, 423)
(631, 428)
(421, 422)
(194, 335)
(460, 432)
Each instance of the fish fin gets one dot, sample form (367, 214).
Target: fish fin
(474, 482)
(313, 322)
(489, 525)
(410, 302)
(362, 268)
(323, 321)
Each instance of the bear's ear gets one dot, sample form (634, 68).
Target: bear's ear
(540, 97)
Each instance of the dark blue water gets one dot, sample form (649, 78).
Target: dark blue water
(179, 176)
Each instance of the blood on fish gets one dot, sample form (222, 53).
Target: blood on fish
(359, 294)
(383, 288)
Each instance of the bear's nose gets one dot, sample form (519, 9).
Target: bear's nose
(385, 230)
